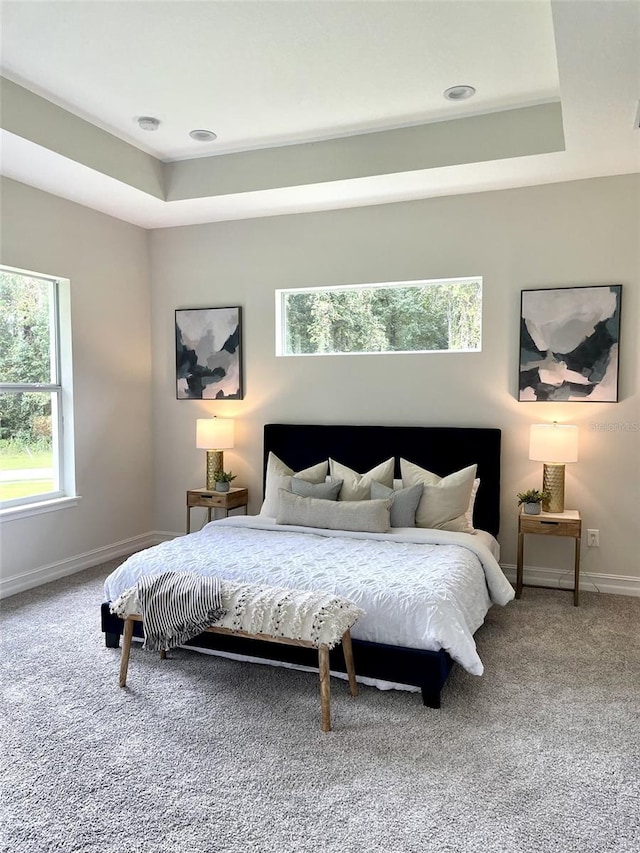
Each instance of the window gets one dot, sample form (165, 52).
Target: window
(400, 317)
(36, 448)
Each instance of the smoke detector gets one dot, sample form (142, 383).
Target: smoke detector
(148, 123)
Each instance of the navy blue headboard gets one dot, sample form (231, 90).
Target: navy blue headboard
(442, 450)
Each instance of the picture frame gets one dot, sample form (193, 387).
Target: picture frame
(209, 353)
(569, 340)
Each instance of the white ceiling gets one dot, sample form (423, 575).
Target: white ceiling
(269, 74)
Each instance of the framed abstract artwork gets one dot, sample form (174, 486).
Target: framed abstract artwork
(569, 340)
(209, 354)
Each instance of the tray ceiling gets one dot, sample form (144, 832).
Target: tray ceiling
(315, 104)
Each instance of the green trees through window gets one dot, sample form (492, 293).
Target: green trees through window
(29, 387)
(422, 316)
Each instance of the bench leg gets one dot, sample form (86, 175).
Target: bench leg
(347, 649)
(325, 688)
(126, 648)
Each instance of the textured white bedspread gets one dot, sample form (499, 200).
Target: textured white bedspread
(425, 589)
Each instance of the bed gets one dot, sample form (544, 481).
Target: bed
(388, 652)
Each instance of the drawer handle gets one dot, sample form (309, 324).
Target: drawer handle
(552, 523)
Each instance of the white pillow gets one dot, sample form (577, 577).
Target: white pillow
(357, 487)
(279, 477)
(445, 500)
(368, 516)
(397, 486)
(472, 502)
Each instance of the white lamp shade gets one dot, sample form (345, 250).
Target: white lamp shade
(557, 443)
(214, 433)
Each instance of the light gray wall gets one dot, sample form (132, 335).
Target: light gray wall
(107, 263)
(562, 234)
(578, 233)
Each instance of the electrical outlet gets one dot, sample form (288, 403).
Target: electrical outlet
(593, 538)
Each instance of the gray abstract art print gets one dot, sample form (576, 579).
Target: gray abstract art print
(569, 340)
(208, 354)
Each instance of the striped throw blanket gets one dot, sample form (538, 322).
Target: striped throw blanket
(176, 606)
(319, 618)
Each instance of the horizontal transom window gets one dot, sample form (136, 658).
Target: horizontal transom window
(442, 315)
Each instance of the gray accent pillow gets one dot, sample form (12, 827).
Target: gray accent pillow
(325, 491)
(404, 502)
(357, 487)
(368, 516)
(279, 477)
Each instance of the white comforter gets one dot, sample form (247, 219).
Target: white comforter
(425, 589)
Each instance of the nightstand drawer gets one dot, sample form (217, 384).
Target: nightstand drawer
(223, 500)
(550, 527)
(208, 500)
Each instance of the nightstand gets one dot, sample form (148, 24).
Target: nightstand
(215, 500)
(567, 523)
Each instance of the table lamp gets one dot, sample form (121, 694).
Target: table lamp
(554, 444)
(214, 435)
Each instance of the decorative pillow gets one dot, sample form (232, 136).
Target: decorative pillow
(404, 502)
(445, 500)
(279, 477)
(472, 502)
(357, 487)
(368, 516)
(326, 491)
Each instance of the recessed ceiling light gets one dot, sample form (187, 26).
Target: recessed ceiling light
(148, 123)
(203, 135)
(459, 93)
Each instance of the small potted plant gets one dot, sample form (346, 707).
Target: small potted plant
(532, 499)
(223, 481)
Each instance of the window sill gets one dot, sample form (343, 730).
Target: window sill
(13, 513)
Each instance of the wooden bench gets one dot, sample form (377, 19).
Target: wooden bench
(323, 660)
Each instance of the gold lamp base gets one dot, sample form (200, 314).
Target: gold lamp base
(214, 468)
(553, 483)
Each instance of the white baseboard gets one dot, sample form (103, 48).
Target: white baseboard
(165, 535)
(589, 581)
(44, 574)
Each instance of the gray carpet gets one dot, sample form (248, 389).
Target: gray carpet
(203, 754)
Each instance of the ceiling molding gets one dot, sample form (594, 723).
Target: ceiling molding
(42, 123)
(496, 136)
